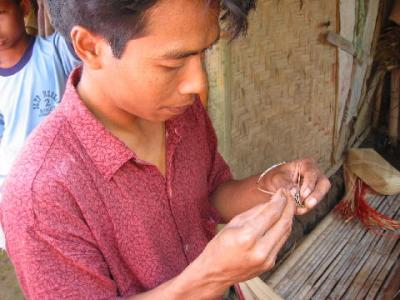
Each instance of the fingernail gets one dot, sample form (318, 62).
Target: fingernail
(312, 202)
(306, 193)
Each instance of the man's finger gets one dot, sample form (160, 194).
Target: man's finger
(310, 178)
(321, 189)
(274, 239)
(266, 217)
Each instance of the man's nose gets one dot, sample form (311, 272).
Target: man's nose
(195, 78)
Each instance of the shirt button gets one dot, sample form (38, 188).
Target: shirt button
(186, 248)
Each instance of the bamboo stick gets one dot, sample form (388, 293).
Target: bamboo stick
(345, 268)
(390, 261)
(302, 274)
(347, 265)
(367, 275)
(390, 290)
(247, 292)
(261, 290)
(289, 264)
(318, 258)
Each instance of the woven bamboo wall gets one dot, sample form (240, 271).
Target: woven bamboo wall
(273, 93)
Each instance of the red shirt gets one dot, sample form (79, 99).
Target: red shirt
(84, 218)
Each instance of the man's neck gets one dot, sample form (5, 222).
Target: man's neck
(11, 56)
(147, 139)
(112, 117)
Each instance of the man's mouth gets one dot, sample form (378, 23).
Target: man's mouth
(178, 109)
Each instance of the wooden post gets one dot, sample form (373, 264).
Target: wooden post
(394, 107)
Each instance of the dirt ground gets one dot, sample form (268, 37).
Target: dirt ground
(9, 289)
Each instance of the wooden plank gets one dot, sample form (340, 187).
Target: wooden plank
(321, 288)
(347, 11)
(347, 46)
(348, 269)
(340, 42)
(361, 70)
(327, 255)
(386, 269)
(367, 274)
(343, 264)
(392, 286)
(293, 259)
(319, 257)
(364, 106)
(376, 285)
(247, 292)
(359, 79)
(348, 265)
(336, 261)
(308, 261)
(261, 290)
(311, 260)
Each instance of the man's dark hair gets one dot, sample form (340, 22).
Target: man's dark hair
(119, 21)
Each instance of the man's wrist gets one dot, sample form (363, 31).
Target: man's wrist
(196, 282)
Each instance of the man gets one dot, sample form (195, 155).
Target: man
(119, 192)
(33, 74)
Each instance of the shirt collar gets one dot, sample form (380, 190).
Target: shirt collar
(107, 152)
(6, 72)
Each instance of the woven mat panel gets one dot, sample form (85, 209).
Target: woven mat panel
(282, 87)
(217, 64)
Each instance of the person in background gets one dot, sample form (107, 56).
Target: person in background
(33, 74)
(121, 187)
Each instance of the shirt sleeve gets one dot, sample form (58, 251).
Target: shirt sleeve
(66, 53)
(53, 251)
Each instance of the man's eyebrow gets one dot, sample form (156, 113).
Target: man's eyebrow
(179, 54)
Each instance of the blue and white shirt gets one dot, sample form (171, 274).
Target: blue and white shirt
(29, 91)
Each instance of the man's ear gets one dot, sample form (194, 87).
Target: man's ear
(26, 7)
(88, 46)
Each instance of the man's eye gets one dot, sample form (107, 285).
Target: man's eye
(172, 68)
(2, 12)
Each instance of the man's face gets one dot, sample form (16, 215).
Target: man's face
(159, 75)
(12, 26)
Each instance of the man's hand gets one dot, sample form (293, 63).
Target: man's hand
(302, 175)
(247, 246)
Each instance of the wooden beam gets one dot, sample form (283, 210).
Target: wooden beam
(340, 42)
